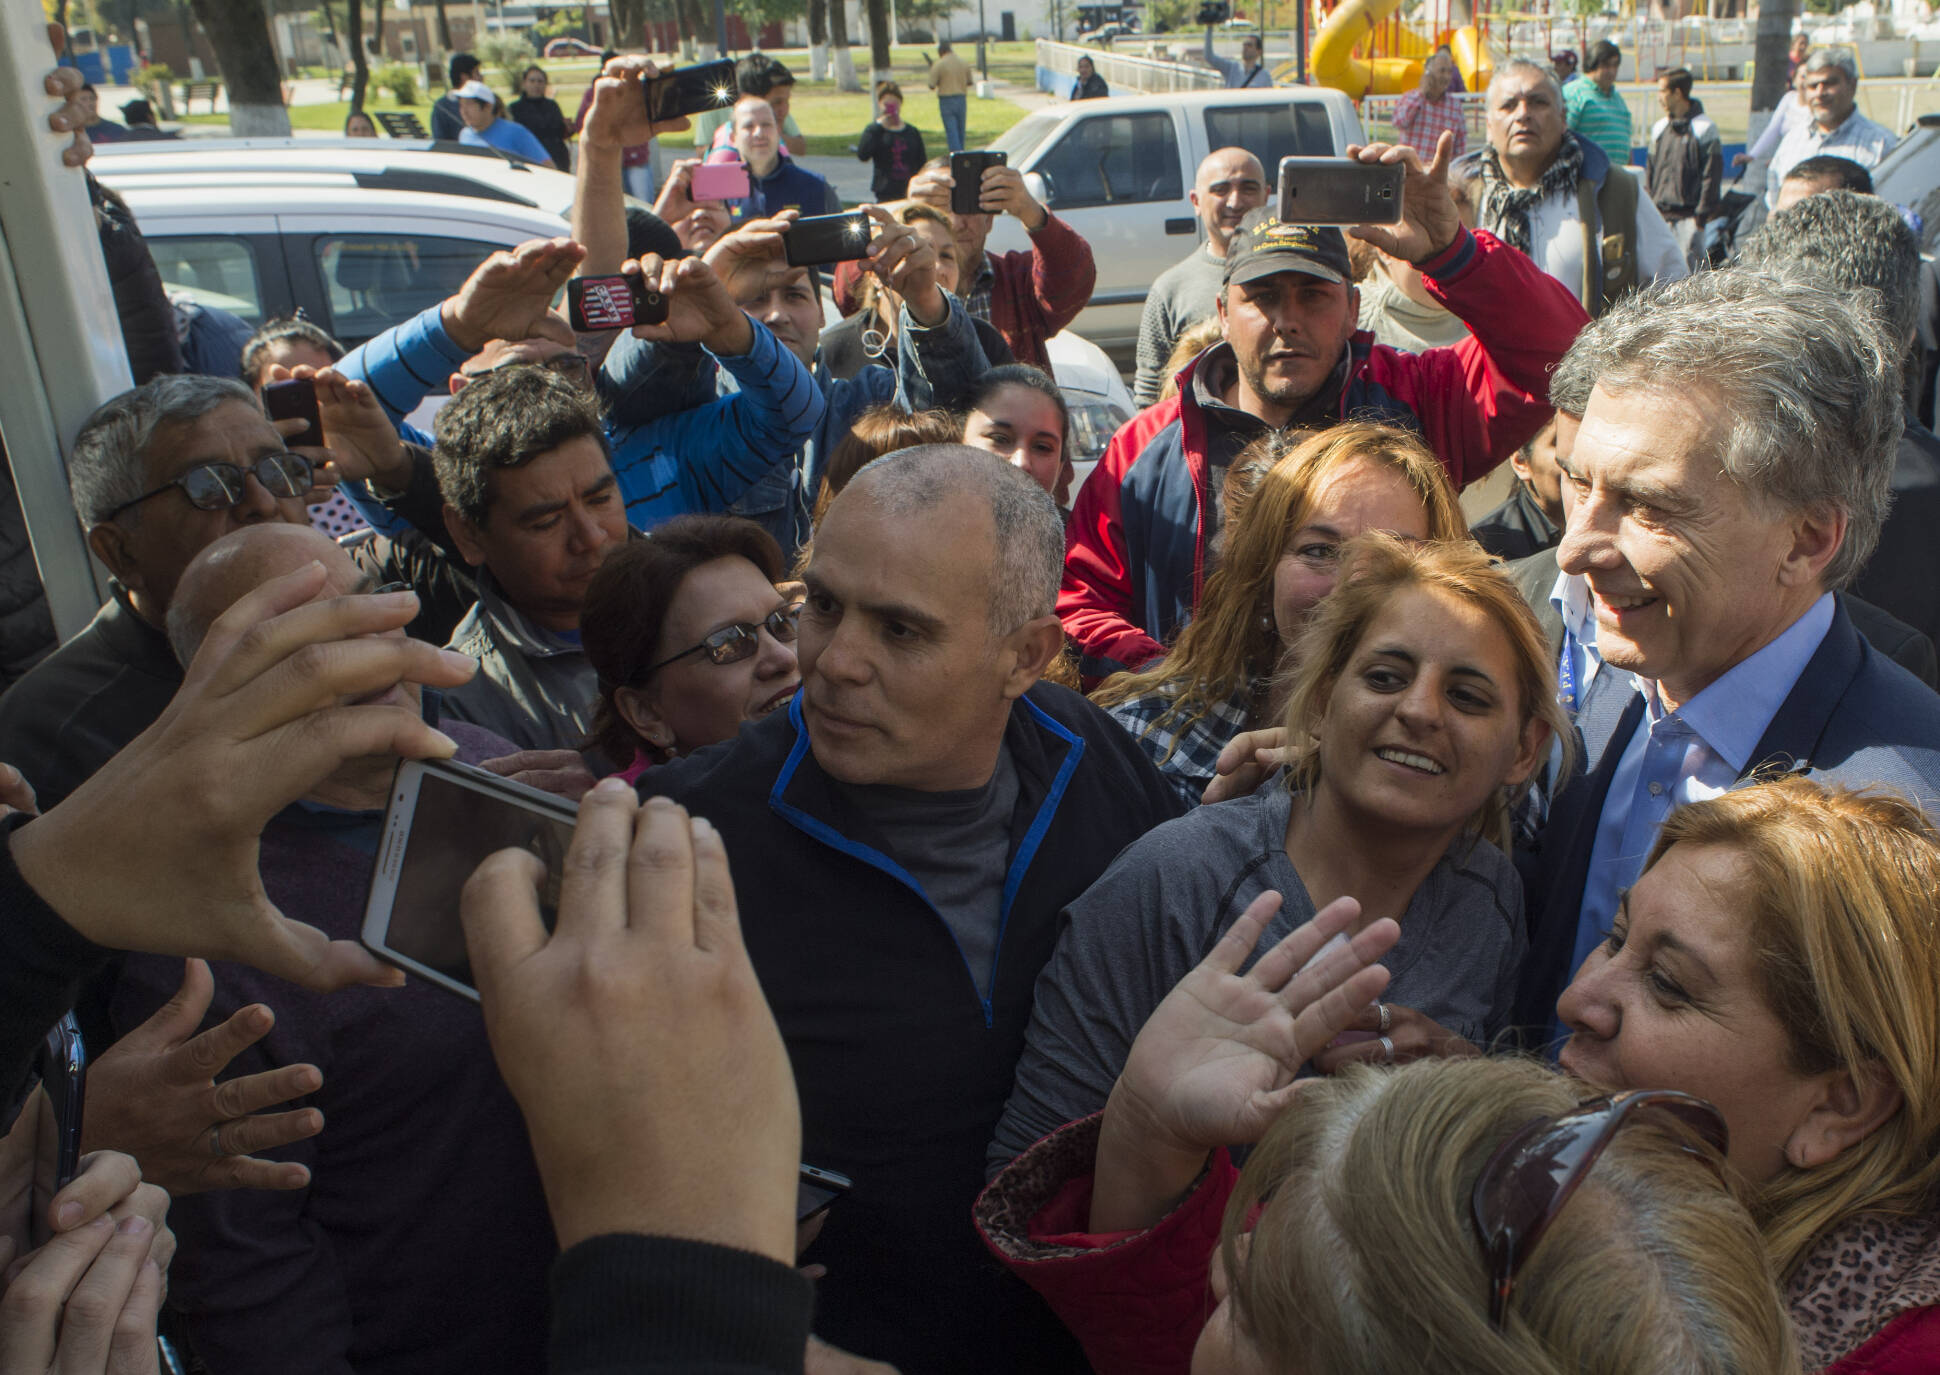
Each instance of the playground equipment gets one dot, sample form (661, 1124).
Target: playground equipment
(1364, 49)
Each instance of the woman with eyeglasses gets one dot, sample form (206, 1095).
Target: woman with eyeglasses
(1480, 1217)
(1290, 503)
(690, 638)
(1780, 956)
(1423, 702)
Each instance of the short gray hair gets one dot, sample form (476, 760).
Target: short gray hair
(107, 468)
(1821, 58)
(1802, 390)
(1571, 384)
(1524, 66)
(1027, 562)
(1848, 241)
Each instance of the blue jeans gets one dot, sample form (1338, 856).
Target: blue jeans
(638, 181)
(952, 108)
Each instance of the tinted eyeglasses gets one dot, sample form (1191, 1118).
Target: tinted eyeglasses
(1534, 1173)
(221, 486)
(733, 643)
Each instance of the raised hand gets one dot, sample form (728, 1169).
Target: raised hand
(903, 261)
(153, 1095)
(1214, 1064)
(754, 257)
(699, 307)
(266, 712)
(509, 296)
(1003, 193)
(635, 1038)
(1429, 220)
(617, 118)
(1412, 1035)
(1248, 759)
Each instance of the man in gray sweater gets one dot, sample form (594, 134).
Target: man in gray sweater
(1230, 183)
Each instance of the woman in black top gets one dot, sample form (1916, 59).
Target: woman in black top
(896, 147)
(541, 115)
(1091, 86)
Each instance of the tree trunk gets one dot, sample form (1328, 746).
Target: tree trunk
(330, 29)
(1769, 83)
(839, 46)
(818, 39)
(239, 33)
(377, 29)
(444, 30)
(359, 63)
(878, 40)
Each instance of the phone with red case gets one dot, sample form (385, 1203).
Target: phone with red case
(621, 302)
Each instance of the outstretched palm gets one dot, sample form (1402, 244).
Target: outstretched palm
(1214, 1065)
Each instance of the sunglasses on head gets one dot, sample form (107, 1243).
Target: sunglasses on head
(221, 486)
(1533, 1174)
(733, 643)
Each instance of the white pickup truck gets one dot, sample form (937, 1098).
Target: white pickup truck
(1118, 170)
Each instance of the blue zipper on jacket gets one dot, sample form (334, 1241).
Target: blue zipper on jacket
(876, 859)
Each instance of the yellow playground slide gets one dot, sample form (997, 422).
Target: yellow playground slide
(1397, 70)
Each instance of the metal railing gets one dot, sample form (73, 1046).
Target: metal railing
(1057, 69)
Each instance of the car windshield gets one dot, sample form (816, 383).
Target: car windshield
(1022, 138)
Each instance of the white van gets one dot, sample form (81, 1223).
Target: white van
(1118, 170)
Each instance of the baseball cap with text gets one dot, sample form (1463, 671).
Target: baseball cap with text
(1265, 245)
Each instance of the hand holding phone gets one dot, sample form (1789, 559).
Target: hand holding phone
(618, 302)
(966, 170)
(689, 91)
(295, 399)
(1339, 191)
(719, 181)
(823, 239)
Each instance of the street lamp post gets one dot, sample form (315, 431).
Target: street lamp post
(983, 32)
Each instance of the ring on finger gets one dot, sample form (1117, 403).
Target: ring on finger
(1387, 1051)
(1387, 1018)
(215, 1141)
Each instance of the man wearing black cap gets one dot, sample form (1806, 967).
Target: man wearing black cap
(1292, 357)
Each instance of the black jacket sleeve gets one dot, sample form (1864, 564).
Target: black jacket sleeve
(43, 962)
(633, 1305)
(147, 318)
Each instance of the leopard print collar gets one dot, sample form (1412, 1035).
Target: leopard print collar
(1861, 1276)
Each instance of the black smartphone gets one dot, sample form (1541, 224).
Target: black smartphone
(690, 91)
(295, 399)
(63, 1065)
(816, 1189)
(822, 239)
(966, 170)
(596, 303)
(1340, 191)
(443, 820)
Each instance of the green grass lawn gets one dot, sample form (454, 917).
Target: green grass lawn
(831, 120)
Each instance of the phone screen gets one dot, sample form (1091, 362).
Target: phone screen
(1339, 191)
(690, 91)
(824, 239)
(453, 824)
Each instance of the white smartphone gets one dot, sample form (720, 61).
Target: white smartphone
(443, 820)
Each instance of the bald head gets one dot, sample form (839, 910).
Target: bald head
(239, 563)
(1027, 550)
(1230, 183)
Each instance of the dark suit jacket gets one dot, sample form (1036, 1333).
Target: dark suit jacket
(1905, 645)
(1854, 717)
(1903, 575)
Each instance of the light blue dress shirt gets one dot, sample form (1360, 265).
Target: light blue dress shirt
(1695, 752)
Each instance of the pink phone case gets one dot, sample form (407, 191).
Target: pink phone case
(720, 181)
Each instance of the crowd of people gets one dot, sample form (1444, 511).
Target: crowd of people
(1241, 914)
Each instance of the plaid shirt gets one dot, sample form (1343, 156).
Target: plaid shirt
(977, 300)
(1419, 123)
(1186, 753)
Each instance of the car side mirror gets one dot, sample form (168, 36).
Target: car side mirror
(1040, 187)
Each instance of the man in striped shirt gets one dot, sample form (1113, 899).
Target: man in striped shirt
(1596, 111)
